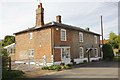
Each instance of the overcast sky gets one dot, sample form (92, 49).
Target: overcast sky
(19, 15)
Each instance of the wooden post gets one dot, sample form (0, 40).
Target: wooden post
(88, 57)
(9, 60)
(102, 30)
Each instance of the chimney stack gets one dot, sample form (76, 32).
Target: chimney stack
(58, 19)
(39, 16)
(87, 29)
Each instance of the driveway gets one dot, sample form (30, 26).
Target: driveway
(90, 70)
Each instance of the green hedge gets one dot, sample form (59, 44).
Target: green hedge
(107, 52)
(6, 74)
(57, 67)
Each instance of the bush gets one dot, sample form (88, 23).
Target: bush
(62, 64)
(45, 68)
(57, 67)
(107, 52)
(85, 61)
(68, 66)
(12, 74)
(52, 67)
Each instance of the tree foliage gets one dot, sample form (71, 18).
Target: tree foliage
(114, 40)
(107, 52)
(5, 59)
(8, 40)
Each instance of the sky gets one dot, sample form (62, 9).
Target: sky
(19, 15)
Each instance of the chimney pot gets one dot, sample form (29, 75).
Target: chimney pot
(58, 19)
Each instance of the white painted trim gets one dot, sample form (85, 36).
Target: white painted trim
(19, 62)
(82, 52)
(57, 62)
(96, 39)
(11, 45)
(95, 58)
(30, 35)
(96, 52)
(81, 34)
(61, 35)
(62, 47)
(79, 60)
(67, 61)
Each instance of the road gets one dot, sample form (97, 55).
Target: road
(91, 70)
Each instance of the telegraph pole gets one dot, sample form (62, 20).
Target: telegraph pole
(102, 30)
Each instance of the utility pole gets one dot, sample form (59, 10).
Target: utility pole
(102, 30)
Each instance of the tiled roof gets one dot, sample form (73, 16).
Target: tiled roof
(51, 24)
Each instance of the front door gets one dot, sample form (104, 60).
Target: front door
(65, 55)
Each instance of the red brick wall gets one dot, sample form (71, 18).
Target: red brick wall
(58, 42)
(41, 43)
(73, 42)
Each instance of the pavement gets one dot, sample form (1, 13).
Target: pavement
(90, 70)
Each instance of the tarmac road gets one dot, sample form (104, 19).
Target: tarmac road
(97, 70)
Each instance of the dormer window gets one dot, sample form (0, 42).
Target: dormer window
(30, 35)
(63, 35)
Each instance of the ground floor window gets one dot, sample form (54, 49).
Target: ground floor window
(65, 52)
(96, 52)
(81, 52)
(31, 52)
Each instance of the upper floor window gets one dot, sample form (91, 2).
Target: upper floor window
(63, 35)
(80, 37)
(81, 52)
(30, 35)
(95, 39)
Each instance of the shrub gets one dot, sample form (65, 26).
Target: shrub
(70, 65)
(12, 74)
(62, 64)
(67, 66)
(57, 67)
(94, 60)
(107, 52)
(52, 67)
(45, 68)
(85, 61)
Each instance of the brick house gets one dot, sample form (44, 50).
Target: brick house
(56, 42)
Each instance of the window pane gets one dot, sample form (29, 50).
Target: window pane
(81, 52)
(63, 35)
(80, 37)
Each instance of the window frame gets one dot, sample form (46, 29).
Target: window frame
(61, 35)
(95, 39)
(80, 36)
(30, 35)
(31, 52)
(96, 52)
(81, 48)
(63, 53)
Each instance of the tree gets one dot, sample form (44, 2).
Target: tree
(5, 59)
(113, 40)
(8, 40)
(107, 52)
(118, 39)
